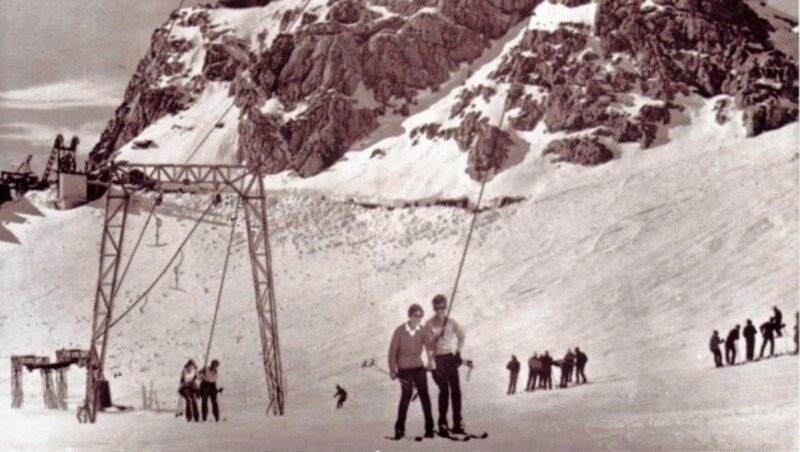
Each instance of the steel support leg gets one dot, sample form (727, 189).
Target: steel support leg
(107, 280)
(16, 386)
(255, 209)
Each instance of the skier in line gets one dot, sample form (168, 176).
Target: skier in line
(534, 367)
(445, 356)
(405, 363)
(546, 377)
(571, 358)
(778, 321)
(796, 322)
(767, 337)
(342, 395)
(208, 390)
(730, 345)
(713, 345)
(566, 368)
(580, 364)
(188, 390)
(749, 334)
(513, 372)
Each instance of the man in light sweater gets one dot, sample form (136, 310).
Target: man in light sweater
(405, 363)
(445, 338)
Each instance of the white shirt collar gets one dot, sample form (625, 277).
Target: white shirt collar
(412, 331)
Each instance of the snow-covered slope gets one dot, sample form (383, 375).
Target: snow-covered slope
(635, 262)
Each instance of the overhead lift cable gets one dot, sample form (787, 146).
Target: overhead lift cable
(478, 204)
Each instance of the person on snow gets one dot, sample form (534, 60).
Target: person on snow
(534, 368)
(208, 390)
(445, 339)
(749, 334)
(188, 390)
(767, 337)
(796, 322)
(405, 364)
(513, 372)
(571, 369)
(778, 321)
(566, 365)
(342, 395)
(580, 364)
(730, 345)
(546, 377)
(713, 345)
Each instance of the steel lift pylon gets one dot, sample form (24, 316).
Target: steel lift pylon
(122, 180)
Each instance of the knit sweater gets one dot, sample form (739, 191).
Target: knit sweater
(405, 349)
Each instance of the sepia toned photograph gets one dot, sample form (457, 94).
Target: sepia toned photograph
(399, 225)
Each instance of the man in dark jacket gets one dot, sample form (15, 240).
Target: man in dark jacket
(767, 336)
(580, 364)
(749, 334)
(713, 345)
(513, 370)
(730, 345)
(778, 321)
(547, 371)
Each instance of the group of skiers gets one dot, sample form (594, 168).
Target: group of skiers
(540, 370)
(203, 384)
(769, 330)
(443, 339)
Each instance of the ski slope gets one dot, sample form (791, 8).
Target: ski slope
(635, 262)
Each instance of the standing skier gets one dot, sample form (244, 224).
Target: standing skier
(566, 368)
(405, 363)
(778, 321)
(342, 395)
(445, 357)
(767, 337)
(208, 390)
(713, 345)
(749, 334)
(730, 345)
(580, 364)
(534, 367)
(796, 322)
(188, 390)
(513, 373)
(546, 376)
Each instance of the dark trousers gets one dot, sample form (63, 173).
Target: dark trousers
(579, 373)
(730, 353)
(209, 391)
(717, 357)
(532, 374)
(565, 372)
(409, 379)
(446, 378)
(771, 342)
(546, 378)
(512, 382)
(191, 404)
(751, 347)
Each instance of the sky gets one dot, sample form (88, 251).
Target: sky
(64, 65)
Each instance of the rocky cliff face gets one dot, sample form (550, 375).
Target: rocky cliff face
(322, 79)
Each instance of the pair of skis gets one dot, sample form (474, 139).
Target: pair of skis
(460, 437)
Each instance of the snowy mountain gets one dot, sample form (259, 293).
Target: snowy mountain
(642, 192)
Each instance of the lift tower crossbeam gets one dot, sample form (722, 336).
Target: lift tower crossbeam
(121, 180)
